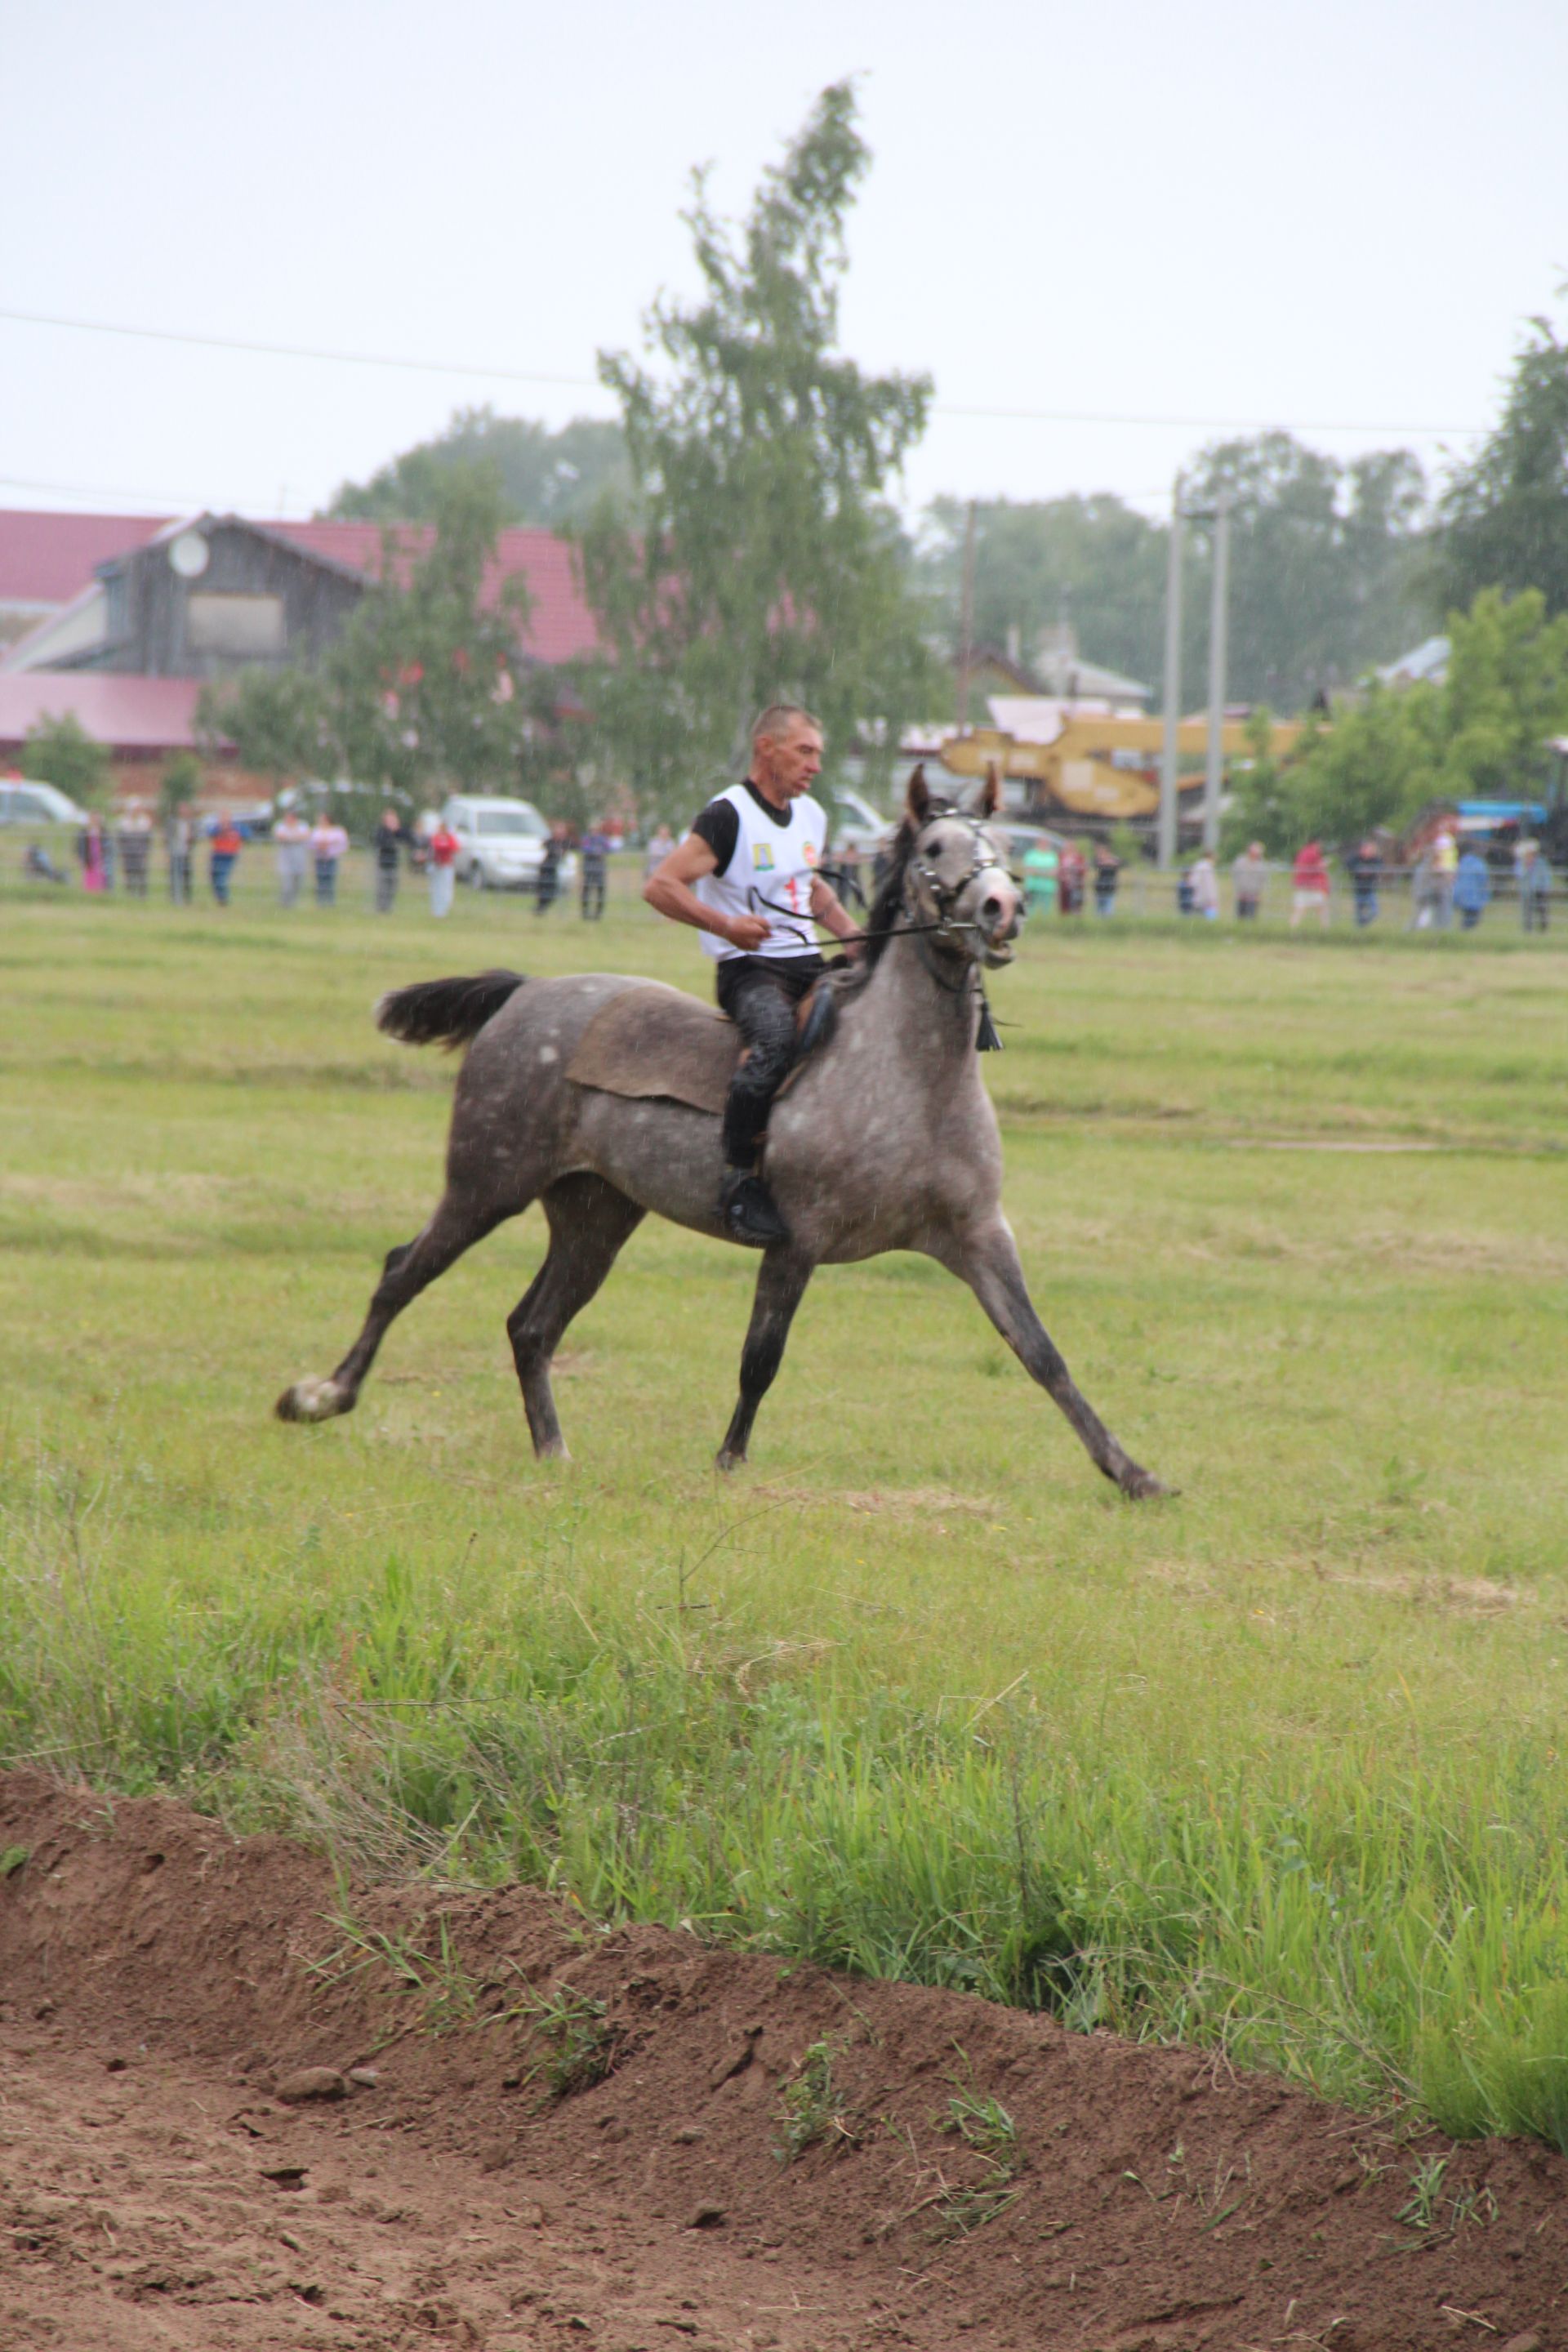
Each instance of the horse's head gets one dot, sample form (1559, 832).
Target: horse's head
(956, 879)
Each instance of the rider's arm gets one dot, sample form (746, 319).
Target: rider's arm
(828, 910)
(668, 891)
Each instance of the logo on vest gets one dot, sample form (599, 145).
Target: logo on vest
(761, 857)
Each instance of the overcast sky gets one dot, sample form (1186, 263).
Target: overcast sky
(1332, 217)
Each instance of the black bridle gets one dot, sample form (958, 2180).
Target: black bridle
(945, 895)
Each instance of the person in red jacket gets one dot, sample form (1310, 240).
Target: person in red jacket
(1308, 886)
(222, 850)
(441, 858)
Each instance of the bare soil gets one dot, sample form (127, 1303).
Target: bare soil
(159, 1983)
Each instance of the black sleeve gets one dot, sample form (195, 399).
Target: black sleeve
(718, 824)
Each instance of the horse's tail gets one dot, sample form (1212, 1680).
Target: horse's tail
(445, 1012)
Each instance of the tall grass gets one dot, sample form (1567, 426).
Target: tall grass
(1373, 1932)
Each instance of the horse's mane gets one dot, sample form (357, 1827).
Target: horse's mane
(890, 895)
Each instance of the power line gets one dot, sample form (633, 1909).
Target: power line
(591, 383)
(295, 351)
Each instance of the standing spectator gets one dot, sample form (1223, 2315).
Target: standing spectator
(1185, 903)
(660, 842)
(91, 857)
(292, 840)
(1070, 878)
(1310, 886)
(391, 839)
(329, 845)
(1424, 892)
(547, 882)
(1041, 860)
(179, 830)
(593, 850)
(135, 848)
(1472, 888)
(1365, 868)
(1106, 874)
(1445, 867)
(441, 864)
(1534, 887)
(223, 849)
(1249, 876)
(1205, 887)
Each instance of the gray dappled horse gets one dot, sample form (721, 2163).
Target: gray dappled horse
(886, 1140)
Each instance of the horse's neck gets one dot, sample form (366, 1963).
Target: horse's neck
(926, 1022)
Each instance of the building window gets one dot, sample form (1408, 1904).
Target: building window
(247, 628)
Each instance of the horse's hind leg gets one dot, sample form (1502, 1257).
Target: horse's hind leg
(987, 1259)
(459, 1221)
(589, 1220)
(780, 1285)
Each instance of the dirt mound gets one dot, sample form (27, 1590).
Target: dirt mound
(522, 2133)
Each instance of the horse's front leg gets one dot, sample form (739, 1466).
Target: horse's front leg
(986, 1257)
(780, 1285)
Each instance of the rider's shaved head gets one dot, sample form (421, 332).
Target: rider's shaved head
(778, 719)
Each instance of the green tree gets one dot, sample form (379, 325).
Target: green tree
(1503, 519)
(1093, 559)
(181, 781)
(60, 751)
(426, 691)
(273, 718)
(761, 560)
(1323, 569)
(1381, 760)
(542, 478)
(1323, 565)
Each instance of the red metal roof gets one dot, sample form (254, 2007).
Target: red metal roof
(129, 714)
(559, 627)
(47, 559)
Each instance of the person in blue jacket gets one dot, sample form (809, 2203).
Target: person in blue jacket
(1472, 888)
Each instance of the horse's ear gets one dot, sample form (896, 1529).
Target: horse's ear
(991, 798)
(917, 800)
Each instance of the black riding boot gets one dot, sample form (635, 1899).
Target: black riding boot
(749, 1210)
(760, 997)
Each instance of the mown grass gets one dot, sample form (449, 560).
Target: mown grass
(1274, 1765)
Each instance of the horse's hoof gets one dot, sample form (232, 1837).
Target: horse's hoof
(726, 1461)
(313, 1401)
(1143, 1486)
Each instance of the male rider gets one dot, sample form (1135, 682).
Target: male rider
(746, 877)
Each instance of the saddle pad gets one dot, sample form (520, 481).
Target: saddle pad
(654, 1040)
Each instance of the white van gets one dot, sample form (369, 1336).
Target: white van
(24, 801)
(854, 828)
(500, 842)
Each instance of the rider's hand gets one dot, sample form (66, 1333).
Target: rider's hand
(747, 932)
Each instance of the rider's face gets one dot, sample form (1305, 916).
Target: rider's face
(785, 766)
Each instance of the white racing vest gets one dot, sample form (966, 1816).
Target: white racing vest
(773, 862)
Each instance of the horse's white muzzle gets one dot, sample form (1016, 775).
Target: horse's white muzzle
(997, 916)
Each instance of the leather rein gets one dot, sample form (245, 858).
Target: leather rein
(946, 896)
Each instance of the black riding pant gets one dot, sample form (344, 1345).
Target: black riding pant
(760, 995)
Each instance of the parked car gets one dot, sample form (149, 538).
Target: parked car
(855, 829)
(1021, 839)
(23, 802)
(500, 842)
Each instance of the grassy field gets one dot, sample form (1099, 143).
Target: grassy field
(1276, 1764)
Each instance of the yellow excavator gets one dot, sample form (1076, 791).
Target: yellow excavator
(1106, 768)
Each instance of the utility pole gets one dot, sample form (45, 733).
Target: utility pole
(1172, 706)
(966, 617)
(1213, 768)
